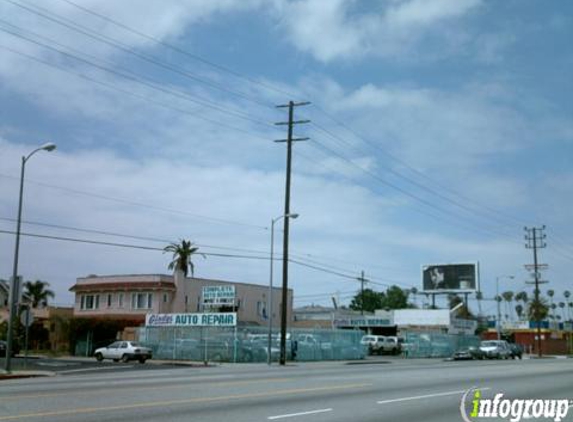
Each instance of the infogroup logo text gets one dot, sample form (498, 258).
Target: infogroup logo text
(512, 409)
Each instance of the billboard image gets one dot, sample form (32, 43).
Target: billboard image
(450, 278)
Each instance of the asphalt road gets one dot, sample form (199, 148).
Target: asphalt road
(413, 390)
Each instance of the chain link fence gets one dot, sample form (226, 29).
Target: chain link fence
(250, 344)
(435, 345)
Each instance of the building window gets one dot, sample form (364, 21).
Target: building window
(109, 300)
(120, 300)
(141, 300)
(89, 302)
(164, 297)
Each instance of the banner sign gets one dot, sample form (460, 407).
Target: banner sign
(362, 322)
(450, 278)
(218, 295)
(225, 319)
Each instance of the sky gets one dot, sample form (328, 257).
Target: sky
(438, 130)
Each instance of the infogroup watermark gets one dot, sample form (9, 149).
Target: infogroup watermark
(474, 407)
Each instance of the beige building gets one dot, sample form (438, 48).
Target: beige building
(134, 296)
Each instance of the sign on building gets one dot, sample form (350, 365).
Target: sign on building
(457, 278)
(224, 319)
(218, 295)
(362, 322)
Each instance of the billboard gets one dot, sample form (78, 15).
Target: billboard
(454, 278)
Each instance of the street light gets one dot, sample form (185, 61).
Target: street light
(498, 300)
(270, 298)
(13, 283)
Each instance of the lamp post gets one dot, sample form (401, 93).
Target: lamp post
(498, 300)
(13, 294)
(270, 295)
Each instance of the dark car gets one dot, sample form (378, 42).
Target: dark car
(515, 350)
(469, 353)
(4, 346)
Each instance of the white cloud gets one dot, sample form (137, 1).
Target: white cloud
(331, 30)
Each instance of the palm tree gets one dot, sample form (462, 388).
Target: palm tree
(538, 309)
(414, 292)
(553, 307)
(570, 307)
(567, 295)
(519, 310)
(521, 296)
(551, 293)
(562, 306)
(38, 293)
(508, 297)
(182, 253)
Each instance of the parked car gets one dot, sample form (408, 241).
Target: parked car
(124, 351)
(4, 347)
(393, 345)
(516, 350)
(375, 344)
(496, 349)
(469, 353)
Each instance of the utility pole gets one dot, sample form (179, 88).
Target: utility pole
(535, 241)
(291, 123)
(362, 280)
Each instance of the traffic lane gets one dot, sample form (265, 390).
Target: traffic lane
(267, 395)
(297, 392)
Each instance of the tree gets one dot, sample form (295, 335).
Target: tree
(369, 298)
(521, 296)
(562, 306)
(182, 254)
(538, 309)
(414, 292)
(38, 293)
(519, 310)
(508, 297)
(395, 298)
(463, 311)
(551, 293)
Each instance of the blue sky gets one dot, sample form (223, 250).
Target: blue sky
(439, 129)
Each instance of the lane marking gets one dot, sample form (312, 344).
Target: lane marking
(143, 405)
(121, 387)
(426, 396)
(292, 415)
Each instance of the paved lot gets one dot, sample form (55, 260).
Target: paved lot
(403, 390)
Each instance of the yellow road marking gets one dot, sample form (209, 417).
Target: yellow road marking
(109, 390)
(181, 401)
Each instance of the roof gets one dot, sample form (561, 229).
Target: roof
(146, 281)
(127, 285)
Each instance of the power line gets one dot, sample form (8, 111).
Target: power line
(133, 77)
(179, 50)
(377, 147)
(60, 20)
(408, 179)
(156, 249)
(132, 94)
(407, 193)
(140, 204)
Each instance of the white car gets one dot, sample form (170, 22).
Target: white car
(124, 351)
(495, 349)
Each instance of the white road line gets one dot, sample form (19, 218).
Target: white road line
(427, 396)
(103, 368)
(292, 415)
